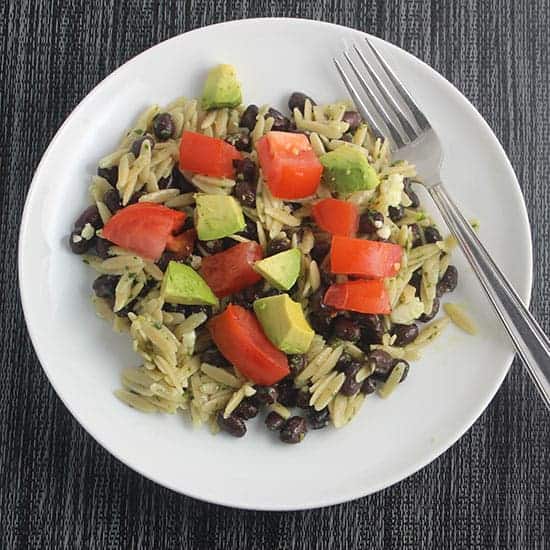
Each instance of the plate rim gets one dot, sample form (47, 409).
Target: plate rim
(474, 414)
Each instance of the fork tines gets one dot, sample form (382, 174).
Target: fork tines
(381, 103)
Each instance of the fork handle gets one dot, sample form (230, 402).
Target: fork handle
(531, 344)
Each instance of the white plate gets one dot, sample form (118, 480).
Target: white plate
(445, 392)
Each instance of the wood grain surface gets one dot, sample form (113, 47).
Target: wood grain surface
(60, 489)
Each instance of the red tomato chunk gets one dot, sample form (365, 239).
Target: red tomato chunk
(360, 296)
(144, 228)
(206, 155)
(336, 216)
(364, 258)
(241, 340)
(232, 270)
(182, 245)
(289, 165)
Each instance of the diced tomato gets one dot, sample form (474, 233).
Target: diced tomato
(232, 270)
(182, 245)
(290, 167)
(144, 228)
(241, 340)
(362, 296)
(206, 155)
(370, 259)
(336, 217)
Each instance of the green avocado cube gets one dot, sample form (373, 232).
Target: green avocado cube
(282, 269)
(221, 89)
(183, 285)
(284, 323)
(217, 216)
(346, 170)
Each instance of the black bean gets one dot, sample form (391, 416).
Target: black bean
(104, 286)
(136, 146)
(190, 310)
(213, 247)
(281, 122)
(250, 231)
(372, 328)
(405, 334)
(353, 118)
(110, 174)
(134, 199)
(246, 409)
(248, 296)
(351, 386)
(214, 357)
(320, 250)
(102, 248)
(166, 182)
(448, 282)
(91, 216)
(347, 329)
(180, 182)
(297, 100)
(396, 213)
(369, 386)
(233, 425)
(294, 430)
(321, 322)
(432, 235)
(128, 308)
(287, 393)
(405, 371)
(278, 245)
(425, 317)
(174, 308)
(302, 399)
(416, 280)
(246, 170)
(241, 142)
(163, 126)
(370, 221)
(318, 419)
(274, 421)
(266, 395)
(415, 201)
(382, 363)
(165, 259)
(112, 200)
(343, 362)
(297, 363)
(80, 245)
(245, 193)
(248, 118)
(416, 235)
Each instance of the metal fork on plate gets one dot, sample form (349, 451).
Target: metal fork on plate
(381, 96)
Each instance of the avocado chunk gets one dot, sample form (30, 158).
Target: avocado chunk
(217, 216)
(284, 323)
(221, 88)
(183, 285)
(347, 170)
(282, 269)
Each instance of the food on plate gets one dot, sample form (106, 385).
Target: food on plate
(182, 285)
(281, 270)
(284, 323)
(217, 216)
(263, 262)
(346, 169)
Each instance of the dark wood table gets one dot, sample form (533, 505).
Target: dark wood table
(60, 489)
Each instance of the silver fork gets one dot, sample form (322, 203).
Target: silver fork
(412, 138)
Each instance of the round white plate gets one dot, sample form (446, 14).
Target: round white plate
(445, 391)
